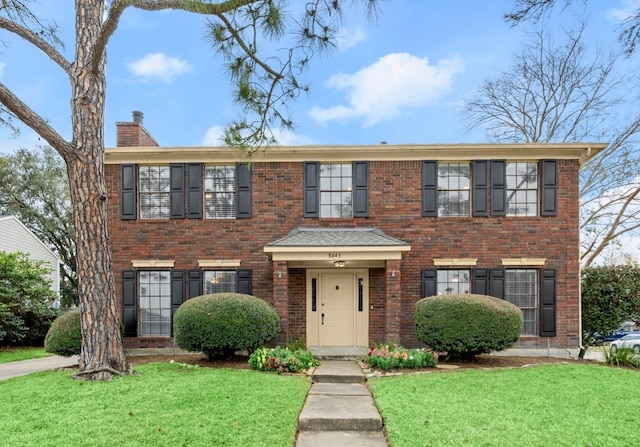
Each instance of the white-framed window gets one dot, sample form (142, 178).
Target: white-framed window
(218, 281)
(336, 190)
(522, 188)
(453, 189)
(521, 289)
(155, 303)
(220, 191)
(154, 196)
(452, 282)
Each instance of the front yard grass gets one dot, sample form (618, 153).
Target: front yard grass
(166, 405)
(15, 354)
(547, 405)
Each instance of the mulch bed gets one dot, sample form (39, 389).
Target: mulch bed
(241, 361)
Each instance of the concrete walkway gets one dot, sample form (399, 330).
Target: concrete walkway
(339, 409)
(24, 367)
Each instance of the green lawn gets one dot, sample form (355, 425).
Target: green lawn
(14, 354)
(548, 405)
(166, 405)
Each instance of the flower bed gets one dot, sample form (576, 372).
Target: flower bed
(387, 357)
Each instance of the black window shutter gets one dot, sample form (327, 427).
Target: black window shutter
(129, 320)
(176, 171)
(195, 283)
(360, 189)
(498, 188)
(429, 282)
(496, 278)
(549, 188)
(480, 281)
(429, 188)
(480, 193)
(194, 191)
(548, 304)
(243, 184)
(128, 192)
(177, 292)
(243, 279)
(311, 189)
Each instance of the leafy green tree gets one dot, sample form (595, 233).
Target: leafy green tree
(263, 84)
(35, 188)
(610, 296)
(26, 300)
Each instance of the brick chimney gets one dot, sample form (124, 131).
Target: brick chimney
(133, 134)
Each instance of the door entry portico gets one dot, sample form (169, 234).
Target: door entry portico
(337, 308)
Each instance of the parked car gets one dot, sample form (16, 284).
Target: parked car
(611, 336)
(631, 341)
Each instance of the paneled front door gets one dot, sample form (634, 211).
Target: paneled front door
(337, 308)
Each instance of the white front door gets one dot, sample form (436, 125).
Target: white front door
(337, 308)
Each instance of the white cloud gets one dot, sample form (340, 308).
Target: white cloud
(385, 89)
(159, 66)
(626, 10)
(214, 136)
(347, 38)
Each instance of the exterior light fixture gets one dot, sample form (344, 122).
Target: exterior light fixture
(339, 264)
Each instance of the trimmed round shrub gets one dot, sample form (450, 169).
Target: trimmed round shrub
(222, 323)
(65, 335)
(466, 325)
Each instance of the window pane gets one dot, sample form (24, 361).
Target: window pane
(522, 189)
(335, 190)
(155, 303)
(521, 289)
(218, 281)
(453, 189)
(220, 191)
(453, 282)
(154, 200)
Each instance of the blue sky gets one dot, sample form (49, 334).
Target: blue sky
(402, 80)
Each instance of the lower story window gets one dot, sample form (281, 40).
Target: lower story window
(155, 303)
(521, 289)
(453, 282)
(218, 281)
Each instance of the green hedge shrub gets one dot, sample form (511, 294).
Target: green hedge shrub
(222, 323)
(466, 325)
(65, 335)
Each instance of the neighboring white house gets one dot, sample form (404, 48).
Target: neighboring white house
(15, 236)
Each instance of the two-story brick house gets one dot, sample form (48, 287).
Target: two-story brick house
(343, 240)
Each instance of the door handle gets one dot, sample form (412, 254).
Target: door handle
(322, 318)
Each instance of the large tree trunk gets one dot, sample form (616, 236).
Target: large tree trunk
(102, 353)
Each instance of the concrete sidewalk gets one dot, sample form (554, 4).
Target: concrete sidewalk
(24, 367)
(339, 409)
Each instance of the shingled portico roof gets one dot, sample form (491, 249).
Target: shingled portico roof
(323, 246)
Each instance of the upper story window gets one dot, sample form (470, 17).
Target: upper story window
(522, 188)
(453, 189)
(220, 192)
(335, 190)
(185, 190)
(490, 188)
(154, 185)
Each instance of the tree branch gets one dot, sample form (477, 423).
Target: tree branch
(38, 42)
(119, 6)
(34, 121)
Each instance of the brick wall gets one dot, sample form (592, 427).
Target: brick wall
(395, 208)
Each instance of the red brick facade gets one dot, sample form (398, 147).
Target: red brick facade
(395, 207)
